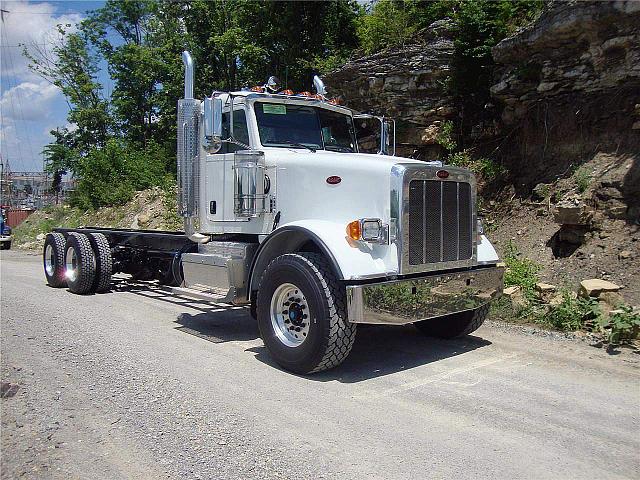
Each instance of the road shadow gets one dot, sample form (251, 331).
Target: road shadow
(220, 326)
(379, 350)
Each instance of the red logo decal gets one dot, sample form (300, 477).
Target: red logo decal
(442, 174)
(333, 180)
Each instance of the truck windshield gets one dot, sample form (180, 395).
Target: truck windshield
(281, 125)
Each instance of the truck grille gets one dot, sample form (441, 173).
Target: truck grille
(440, 221)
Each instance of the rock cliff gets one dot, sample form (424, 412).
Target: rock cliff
(569, 87)
(406, 83)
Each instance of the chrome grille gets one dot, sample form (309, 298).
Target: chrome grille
(440, 221)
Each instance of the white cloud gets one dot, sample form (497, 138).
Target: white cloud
(29, 24)
(30, 105)
(28, 101)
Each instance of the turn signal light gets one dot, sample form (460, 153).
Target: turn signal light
(287, 92)
(354, 231)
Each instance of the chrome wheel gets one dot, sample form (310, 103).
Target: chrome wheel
(290, 315)
(49, 260)
(71, 264)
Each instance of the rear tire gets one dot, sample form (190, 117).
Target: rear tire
(104, 262)
(80, 263)
(53, 260)
(314, 334)
(454, 325)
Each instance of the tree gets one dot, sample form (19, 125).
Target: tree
(72, 67)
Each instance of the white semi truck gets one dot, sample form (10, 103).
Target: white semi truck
(282, 213)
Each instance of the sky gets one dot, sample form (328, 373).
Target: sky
(29, 105)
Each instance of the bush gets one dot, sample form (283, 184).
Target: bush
(621, 325)
(111, 175)
(483, 167)
(520, 271)
(572, 313)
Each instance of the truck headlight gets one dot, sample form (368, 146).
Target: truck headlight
(371, 229)
(368, 230)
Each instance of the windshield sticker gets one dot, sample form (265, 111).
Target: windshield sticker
(274, 109)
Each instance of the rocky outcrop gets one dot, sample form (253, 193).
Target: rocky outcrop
(406, 83)
(569, 86)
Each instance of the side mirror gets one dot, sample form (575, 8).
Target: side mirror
(213, 123)
(376, 134)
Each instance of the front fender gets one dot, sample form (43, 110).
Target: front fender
(355, 262)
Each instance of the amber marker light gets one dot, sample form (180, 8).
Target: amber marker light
(353, 230)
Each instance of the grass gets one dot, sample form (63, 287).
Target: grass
(582, 178)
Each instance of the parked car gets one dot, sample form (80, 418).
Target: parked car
(5, 233)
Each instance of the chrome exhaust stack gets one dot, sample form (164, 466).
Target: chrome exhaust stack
(188, 154)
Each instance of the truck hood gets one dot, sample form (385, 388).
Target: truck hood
(337, 159)
(304, 193)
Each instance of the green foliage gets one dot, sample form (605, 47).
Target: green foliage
(476, 26)
(582, 178)
(571, 313)
(520, 270)
(390, 23)
(623, 324)
(485, 167)
(445, 137)
(488, 169)
(111, 175)
(128, 138)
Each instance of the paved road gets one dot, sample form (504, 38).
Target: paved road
(139, 384)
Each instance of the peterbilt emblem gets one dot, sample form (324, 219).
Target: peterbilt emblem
(442, 174)
(333, 180)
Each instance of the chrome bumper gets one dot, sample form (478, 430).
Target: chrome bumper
(406, 301)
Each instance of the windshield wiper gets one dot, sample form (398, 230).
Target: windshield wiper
(337, 148)
(294, 144)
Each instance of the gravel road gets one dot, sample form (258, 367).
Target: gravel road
(139, 384)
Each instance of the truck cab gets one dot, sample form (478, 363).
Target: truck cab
(399, 238)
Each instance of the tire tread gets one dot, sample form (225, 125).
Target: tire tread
(342, 333)
(104, 262)
(87, 269)
(57, 240)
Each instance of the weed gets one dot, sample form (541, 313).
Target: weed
(445, 137)
(582, 177)
(622, 325)
(521, 271)
(571, 313)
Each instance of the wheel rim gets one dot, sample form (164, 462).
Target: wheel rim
(49, 260)
(290, 315)
(71, 263)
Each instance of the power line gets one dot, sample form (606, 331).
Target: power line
(25, 45)
(20, 104)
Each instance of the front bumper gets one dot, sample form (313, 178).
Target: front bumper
(406, 301)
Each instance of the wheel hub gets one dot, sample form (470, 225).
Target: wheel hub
(289, 315)
(71, 264)
(49, 260)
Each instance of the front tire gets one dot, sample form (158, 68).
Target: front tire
(454, 325)
(80, 263)
(302, 315)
